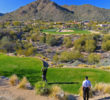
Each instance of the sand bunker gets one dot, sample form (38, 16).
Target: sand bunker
(65, 31)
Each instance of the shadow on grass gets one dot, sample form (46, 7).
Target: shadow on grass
(106, 98)
(32, 75)
(63, 83)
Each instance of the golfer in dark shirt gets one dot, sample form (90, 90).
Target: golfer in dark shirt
(44, 70)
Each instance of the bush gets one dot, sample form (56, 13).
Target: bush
(106, 45)
(106, 37)
(69, 44)
(51, 40)
(93, 58)
(79, 43)
(41, 88)
(90, 45)
(66, 39)
(70, 56)
(60, 65)
(31, 51)
(66, 56)
(43, 39)
(76, 63)
(14, 80)
(55, 58)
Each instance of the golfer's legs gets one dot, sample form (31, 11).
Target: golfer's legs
(87, 93)
(84, 93)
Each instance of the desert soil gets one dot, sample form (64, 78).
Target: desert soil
(8, 92)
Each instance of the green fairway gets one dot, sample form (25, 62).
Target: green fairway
(70, 79)
(75, 31)
(22, 66)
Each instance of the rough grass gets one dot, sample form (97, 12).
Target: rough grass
(70, 79)
(76, 31)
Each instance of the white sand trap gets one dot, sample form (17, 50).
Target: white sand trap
(65, 31)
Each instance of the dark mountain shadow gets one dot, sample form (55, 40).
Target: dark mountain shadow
(63, 83)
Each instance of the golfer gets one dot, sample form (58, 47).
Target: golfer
(44, 70)
(86, 86)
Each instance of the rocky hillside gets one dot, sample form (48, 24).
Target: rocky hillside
(89, 12)
(47, 10)
(41, 9)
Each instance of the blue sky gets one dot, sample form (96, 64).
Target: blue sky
(11, 5)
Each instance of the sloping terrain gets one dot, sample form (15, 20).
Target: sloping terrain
(47, 10)
(89, 12)
(41, 9)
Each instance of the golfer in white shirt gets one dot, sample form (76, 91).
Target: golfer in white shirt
(86, 86)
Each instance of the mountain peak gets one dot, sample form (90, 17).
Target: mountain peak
(43, 1)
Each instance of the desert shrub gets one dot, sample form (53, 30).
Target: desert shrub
(93, 66)
(79, 43)
(47, 59)
(69, 56)
(14, 80)
(90, 45)
(93, 58)
(69, 44)
(60, 65)
(27, 45)
(58, 93)
(31, 51)
(7, 46)
(54, 66)
(83, 65)
(76, 63)
(102, 88)
(106, 45)
(39, 55)
(23, 83)
(43, 39)
(12, 32)
(66, 56)
(55, 58)
(106, 37)
(66, 39)
(41, 88)
(51, 40)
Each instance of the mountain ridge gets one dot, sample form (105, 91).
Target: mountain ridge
(48, 10)
(1, 14)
